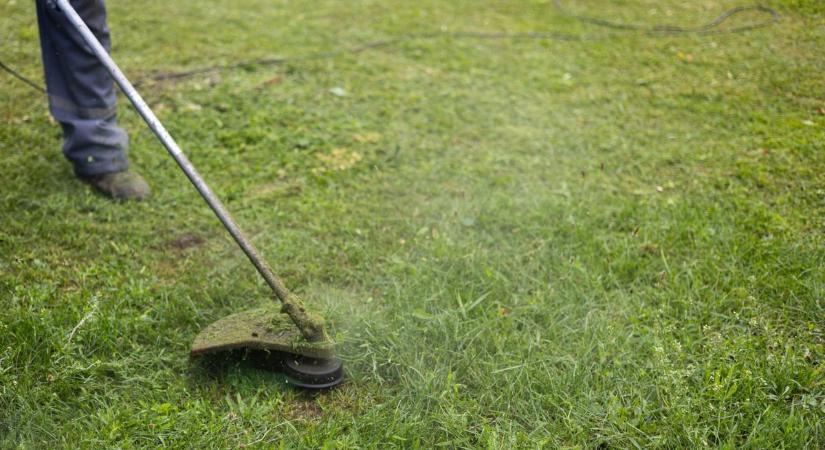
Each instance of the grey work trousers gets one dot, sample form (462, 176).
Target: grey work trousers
(81, 92)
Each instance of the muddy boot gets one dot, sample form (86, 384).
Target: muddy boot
(126, 185)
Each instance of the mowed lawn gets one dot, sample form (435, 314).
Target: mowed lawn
(614, 241)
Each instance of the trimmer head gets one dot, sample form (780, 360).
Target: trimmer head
(311, 365)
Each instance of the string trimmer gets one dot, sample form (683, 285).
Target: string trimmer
(294, 338)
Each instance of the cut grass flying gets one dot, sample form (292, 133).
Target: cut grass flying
(299, 346)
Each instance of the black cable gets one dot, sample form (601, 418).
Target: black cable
(711, 27)
(20, 77)
(364, 47)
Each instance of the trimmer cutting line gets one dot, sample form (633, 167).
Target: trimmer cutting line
(294, 338)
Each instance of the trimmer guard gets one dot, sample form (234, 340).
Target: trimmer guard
(258, 329)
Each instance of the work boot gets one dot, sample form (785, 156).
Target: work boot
(126, 185)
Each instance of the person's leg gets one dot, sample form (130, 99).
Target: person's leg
(82, 96)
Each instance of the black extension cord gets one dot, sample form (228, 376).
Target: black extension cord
(711, 27)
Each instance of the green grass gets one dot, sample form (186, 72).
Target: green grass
(607, 244)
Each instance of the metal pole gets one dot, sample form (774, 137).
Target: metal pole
(311, 328)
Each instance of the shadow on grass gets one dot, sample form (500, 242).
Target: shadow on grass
(254, 366)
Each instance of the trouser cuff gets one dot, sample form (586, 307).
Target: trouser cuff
(93, 166)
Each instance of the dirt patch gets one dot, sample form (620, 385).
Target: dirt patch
(308, 410)
(185, 241)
